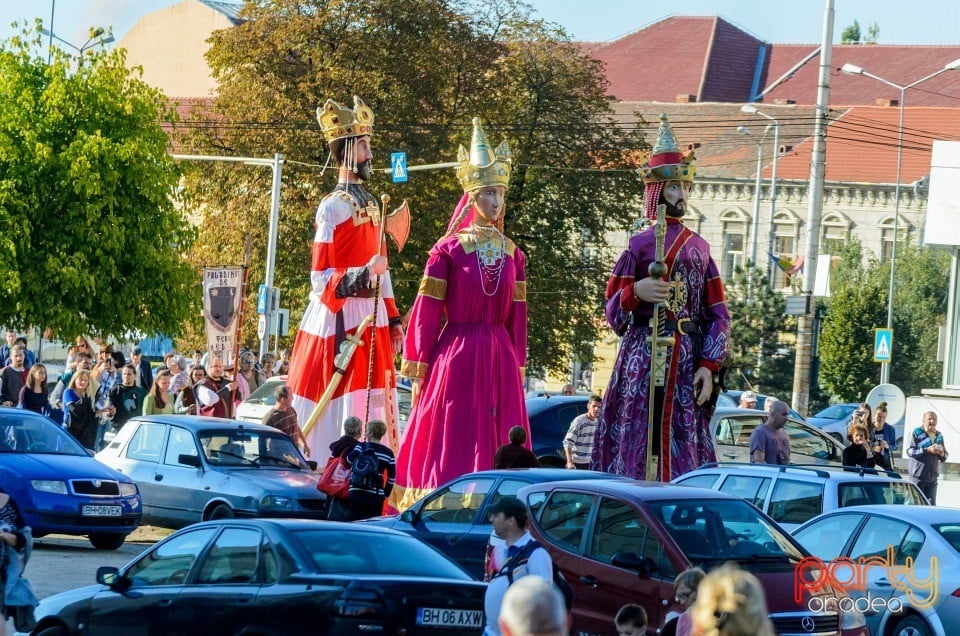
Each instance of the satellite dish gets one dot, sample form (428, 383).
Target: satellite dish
(893, 396)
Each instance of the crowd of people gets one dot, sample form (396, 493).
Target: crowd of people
(100, 389)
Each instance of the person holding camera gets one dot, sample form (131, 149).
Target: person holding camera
(926, 452)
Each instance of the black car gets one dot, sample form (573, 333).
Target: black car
(276, 576)
(454, 518)
(550, 418)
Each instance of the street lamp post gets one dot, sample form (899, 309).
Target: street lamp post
(749, 108)
(852, 69)
(756, 198)
(97, 37)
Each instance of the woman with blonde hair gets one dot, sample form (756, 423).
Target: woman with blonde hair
(158, 401)
(731, 602)
(79, 414)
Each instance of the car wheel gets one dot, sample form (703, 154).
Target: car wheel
(53, 630)
(221, 511)
(912, 625)
(107, 541)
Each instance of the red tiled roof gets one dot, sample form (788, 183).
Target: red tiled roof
(714, 60)
(901, 64)
(861, 141)
(656, 64)
(862, 145)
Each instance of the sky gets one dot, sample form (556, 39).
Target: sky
(789, 21)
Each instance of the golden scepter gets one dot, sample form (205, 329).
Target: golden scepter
(658, 342)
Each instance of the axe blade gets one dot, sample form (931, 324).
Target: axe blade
(397, 225)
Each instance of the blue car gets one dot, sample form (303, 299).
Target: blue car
(58, 487)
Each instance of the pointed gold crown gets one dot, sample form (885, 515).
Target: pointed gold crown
(338, 122)
(665, 161)
(483, 166)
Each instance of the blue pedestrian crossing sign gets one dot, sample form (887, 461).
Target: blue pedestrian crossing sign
(398, 166)
(882, 345)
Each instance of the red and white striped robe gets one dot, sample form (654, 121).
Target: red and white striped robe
(346, 237)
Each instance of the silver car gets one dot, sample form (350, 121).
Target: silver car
(808, 445)
(191, 468)
(905, 566)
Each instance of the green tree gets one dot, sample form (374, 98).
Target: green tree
(426, 67)
(851, 35)
(90, 237)
(859, 305)
(757, 354)
(873, 34)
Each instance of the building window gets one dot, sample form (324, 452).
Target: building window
(835, 233)
(734, 239)
(886, 236)
(785, 246)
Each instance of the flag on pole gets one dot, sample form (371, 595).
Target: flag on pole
(222, 291)
(789, 266)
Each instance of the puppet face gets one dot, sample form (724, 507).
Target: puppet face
(489, 204)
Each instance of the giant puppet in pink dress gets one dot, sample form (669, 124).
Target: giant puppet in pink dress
(467, 336)
(348, 255)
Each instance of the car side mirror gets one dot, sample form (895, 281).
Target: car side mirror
(189, 460)
(108, 575)
(312, 464)
(411, 516)
(644, 566)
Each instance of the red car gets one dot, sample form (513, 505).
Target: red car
(619, 542)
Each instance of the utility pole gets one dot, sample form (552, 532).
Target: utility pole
(818, 160)
(276, 164)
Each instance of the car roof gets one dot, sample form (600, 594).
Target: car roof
(547, 474)
(199, 423)
(909, 512)
(830, 472)
(302, 524)
(632, 488)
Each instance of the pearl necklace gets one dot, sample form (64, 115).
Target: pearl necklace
(489, 273)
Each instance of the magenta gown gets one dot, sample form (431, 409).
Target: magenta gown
(471, 366)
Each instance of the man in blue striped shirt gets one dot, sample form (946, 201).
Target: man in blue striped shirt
(578, 442)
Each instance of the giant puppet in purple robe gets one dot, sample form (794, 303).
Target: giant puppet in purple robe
(693, 317)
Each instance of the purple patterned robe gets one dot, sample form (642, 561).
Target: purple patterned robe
(620, 445)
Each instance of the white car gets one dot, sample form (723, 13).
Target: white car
(256, 407)
(794, 494)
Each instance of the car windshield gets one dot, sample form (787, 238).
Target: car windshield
(264, 393)
(25, 432)
(879, 492)
(712, 530)
(239, 448)
(345, 552)
(836, 412)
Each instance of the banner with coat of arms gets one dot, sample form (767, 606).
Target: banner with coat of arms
(222, 292)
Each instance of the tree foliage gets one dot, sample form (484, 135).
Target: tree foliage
(90, 237)
(758, 356)
(859, 305)
(426, 68)
(851, 35)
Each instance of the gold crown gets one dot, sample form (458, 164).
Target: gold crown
(481, 166)
(338, 122)
(665, 161)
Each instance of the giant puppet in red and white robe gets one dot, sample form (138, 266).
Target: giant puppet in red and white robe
(343, 291)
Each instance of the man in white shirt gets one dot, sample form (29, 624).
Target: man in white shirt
(509, 561)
